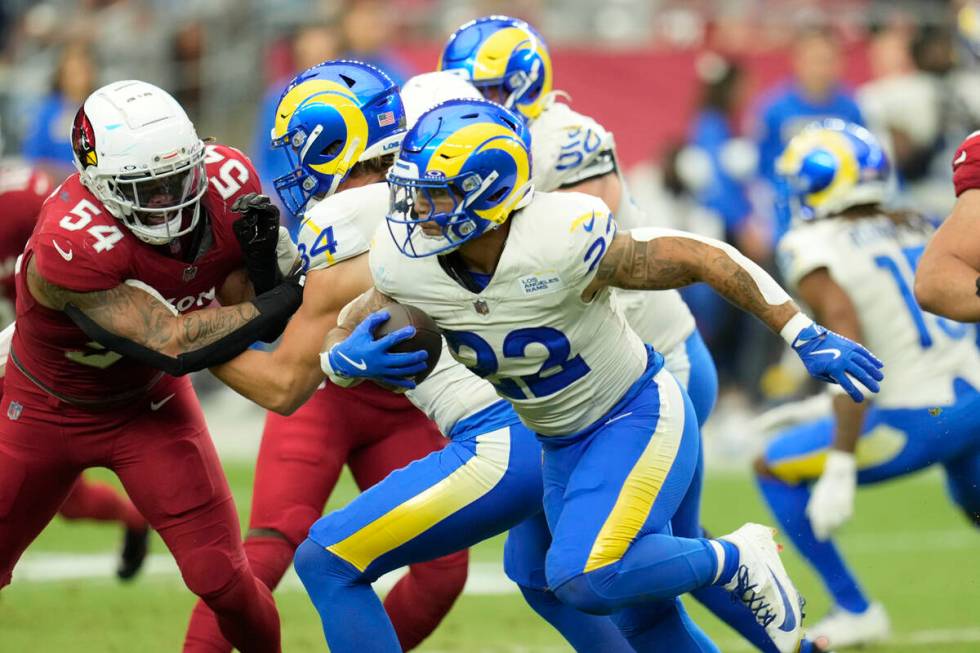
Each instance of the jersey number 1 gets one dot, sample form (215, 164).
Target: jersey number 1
(902, 278)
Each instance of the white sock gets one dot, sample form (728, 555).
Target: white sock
(720, 556)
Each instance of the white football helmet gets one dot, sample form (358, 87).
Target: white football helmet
(138, 153)
(422, 92)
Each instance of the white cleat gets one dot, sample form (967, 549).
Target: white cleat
(762, 584)
(842, 629)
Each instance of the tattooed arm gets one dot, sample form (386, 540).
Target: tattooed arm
(134, 320)
(658, 259)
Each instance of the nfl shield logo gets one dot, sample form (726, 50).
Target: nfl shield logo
(385, 119)
(14, 410)
(481, 307)
(189, 273)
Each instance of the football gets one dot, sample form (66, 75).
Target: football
(427, 336)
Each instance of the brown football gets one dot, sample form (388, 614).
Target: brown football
(427, 336)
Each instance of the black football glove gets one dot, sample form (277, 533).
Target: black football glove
(257, 232)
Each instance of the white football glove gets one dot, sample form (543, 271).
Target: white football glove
(832, 497)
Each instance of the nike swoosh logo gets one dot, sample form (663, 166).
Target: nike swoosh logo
(833, 352)
(960, 159)
(361, 365)
(65, 255)
(590, 225)
(789, 623)
(156, 405)
(618, 417)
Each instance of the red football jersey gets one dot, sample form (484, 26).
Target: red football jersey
(79, 245)
(966, 164)
(22, 192)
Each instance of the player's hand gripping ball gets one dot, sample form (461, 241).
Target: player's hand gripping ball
(398, 347)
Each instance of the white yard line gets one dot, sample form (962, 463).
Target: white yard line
(485, 578)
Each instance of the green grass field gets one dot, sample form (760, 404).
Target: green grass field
(913, 552)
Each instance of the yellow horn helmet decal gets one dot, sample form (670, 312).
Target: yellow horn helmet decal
(453, 153)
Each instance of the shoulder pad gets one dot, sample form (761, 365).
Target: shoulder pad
(230, 172)
(341, 226)
(78, 245)
(802, 250)
(576, 230)
(567, 148)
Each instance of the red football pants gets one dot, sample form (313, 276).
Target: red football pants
(168, 466)
(95, 501)
(300, 459)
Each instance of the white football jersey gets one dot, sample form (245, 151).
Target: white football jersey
(562, 362)
(873, 260)
(341, 227)
(567, 148)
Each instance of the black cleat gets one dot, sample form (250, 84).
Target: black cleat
(135, 545)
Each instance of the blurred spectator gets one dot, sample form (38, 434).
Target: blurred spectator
(368, 31)
(47, 140)
(814, 93)
(902, 104)
(310, 45)
(188, 52)
(732, 159)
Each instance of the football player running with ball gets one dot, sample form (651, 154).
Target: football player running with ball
(508, 61)
(519, 282)
(852, 262)
(340, 123)
(113, 308)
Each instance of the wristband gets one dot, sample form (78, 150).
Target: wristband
(337, 378)
(796, 325)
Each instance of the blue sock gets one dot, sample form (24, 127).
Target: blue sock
(585, 632)
(662, 626)
(350, 612)
(788, 504)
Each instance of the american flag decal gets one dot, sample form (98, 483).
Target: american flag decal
(386, 119)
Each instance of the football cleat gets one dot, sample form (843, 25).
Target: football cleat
(762, 585)
(135, 545)
(842, 628)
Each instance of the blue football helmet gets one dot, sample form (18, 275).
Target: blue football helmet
(475, 152)
(330, 117)
(830, 166)
(506, 59)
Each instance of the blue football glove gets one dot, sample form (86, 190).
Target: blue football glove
(833, 358)
(360, 355)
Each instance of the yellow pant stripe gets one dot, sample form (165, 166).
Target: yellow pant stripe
(475, 478)
(642, 485)
(876, 447)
